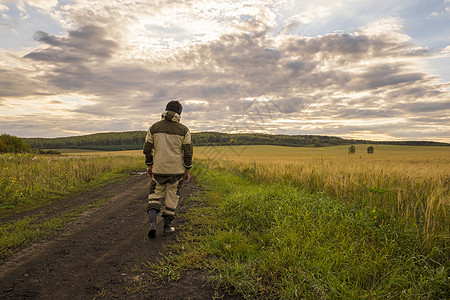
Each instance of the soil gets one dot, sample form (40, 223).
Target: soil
(102, 253)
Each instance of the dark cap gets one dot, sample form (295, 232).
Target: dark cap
(175, 106)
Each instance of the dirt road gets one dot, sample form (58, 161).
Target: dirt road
(101, 253)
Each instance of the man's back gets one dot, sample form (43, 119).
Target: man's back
(172, 145)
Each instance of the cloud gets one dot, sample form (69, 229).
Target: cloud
(443, 10)
(84, 44)
(43, 4)
(306, 17)
(446, 51)
(384, 76)
(72, 61)
(441, 107)
(15, 83)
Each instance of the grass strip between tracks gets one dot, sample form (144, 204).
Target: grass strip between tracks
(18, 233)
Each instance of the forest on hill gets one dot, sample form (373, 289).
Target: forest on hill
(134, 140)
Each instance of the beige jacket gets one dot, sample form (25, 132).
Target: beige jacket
(168, 146)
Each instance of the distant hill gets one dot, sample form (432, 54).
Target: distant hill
(134, 140)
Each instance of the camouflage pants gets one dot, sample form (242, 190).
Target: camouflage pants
(164, 194)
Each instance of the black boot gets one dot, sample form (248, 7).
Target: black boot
(167, 228)
(152, 216)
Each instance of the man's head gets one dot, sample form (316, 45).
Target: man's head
(175, 106)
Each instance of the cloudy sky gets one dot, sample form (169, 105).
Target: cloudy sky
(371, 69)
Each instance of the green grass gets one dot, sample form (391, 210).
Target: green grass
(15, 234)
(277, 241)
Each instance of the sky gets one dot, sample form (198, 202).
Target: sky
(362, 69)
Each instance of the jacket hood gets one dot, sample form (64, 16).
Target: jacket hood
(171, 116)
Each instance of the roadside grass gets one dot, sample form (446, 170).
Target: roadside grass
(31, 181)
(277, 241)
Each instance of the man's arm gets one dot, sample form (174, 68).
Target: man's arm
(187, 156)
(148, 151)
(187, 151)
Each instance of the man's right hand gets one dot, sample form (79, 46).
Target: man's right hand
(149, 171)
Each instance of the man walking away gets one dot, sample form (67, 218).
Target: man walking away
(168, 156)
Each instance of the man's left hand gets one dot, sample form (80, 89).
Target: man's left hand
(186, 176)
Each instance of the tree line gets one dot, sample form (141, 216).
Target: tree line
(134, 140)
(13, 144)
